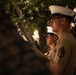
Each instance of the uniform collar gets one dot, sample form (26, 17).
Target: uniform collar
(62, 35)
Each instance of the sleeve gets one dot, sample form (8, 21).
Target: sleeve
(62, 53)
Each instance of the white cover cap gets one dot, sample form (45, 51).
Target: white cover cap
(49, 29)
(61, 10)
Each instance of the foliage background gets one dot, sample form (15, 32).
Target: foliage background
(35, 13)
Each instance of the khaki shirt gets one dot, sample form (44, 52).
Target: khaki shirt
(65, 54)
(51, 54)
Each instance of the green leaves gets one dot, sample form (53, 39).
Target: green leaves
(34, 12)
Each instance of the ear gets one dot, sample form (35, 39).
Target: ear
(55, 38)
(63, 20)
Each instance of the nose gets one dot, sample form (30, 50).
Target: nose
(46, 38)
(50, 23)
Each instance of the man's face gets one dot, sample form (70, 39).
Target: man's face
(55, 23)
(50, 39)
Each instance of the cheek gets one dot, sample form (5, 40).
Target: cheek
(56, 26)
(48, 40)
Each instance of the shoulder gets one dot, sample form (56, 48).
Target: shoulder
(68, 39)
